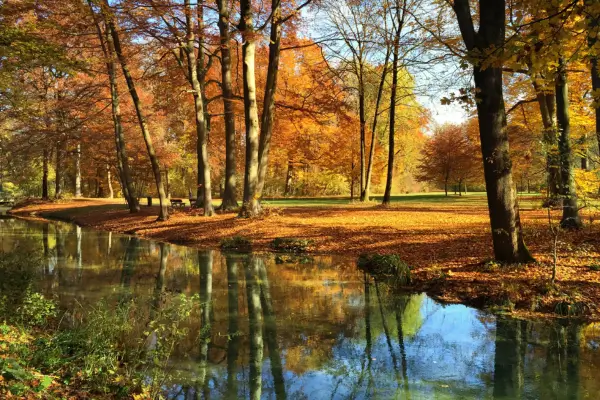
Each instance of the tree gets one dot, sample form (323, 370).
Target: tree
(398, 24)
(356, 24)
(111, 26)
(196, 72)
(107, 47)
(449, 157)
(482, 46)
(229, 200)
(250, 206)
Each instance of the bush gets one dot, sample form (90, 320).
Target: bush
(17, 284)
(236, 243)
(36, 310)
(386, 266)
(292, 245)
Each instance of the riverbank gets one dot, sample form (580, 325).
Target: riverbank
(446, 241)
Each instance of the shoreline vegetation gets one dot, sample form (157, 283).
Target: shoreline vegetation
(445, 241)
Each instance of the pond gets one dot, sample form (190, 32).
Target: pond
(308, 327)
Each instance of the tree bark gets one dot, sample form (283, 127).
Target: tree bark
(204, 175)
(111, 192)
(122, 159)
(570, 218)
(593, 23)
(46, 161)
(251, 205)
(229, 200)
(507, 238)
(367, 190)
(363, 128)
(268, 115)
(78, 170)
(392, 133)
(547, 104)
(111, 26)
(288, 179)
(58, 171)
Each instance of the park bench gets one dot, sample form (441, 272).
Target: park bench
(177, 203)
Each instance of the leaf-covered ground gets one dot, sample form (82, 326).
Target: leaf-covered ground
(447, 241)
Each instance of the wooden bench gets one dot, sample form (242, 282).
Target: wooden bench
(192, 202)
(177, 203)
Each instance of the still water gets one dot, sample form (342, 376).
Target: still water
(310, 328)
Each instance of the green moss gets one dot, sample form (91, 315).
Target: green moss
(239, 243)
(292, 245)
(595, 267)
(389, 266)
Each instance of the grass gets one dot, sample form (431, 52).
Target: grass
(527, 200)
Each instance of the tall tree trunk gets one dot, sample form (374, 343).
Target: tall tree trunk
(100, 183)
(593, 32)
(570, 218)
(288, 179)
(268, 115)
(367, 190)
(204, 178)
(363, 129)
(111, 26)
(58, 171)
(45, 166)
(507, 238)
(122, 158)
(547, 103)
(229, 200)
(251, 205)
(111, 192)
(78, 170)
(392, 132)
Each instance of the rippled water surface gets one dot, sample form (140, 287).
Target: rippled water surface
(310, 327)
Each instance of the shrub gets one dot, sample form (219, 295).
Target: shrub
(36, 310)
(17, 284)
(236, 243)
(292, 245)
(389, 266)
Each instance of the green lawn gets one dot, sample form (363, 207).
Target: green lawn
(526, 201)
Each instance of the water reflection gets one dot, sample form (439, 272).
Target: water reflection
(315, 329)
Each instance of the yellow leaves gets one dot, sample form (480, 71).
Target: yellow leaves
(587, 182)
